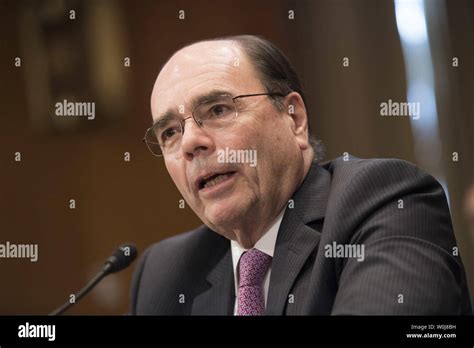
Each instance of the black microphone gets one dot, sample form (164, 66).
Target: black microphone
(120, 259)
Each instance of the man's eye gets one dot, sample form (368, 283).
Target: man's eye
(168, 133)
(220, 110)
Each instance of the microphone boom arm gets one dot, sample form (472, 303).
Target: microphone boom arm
(118, 261)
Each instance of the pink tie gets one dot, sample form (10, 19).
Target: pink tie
(253, 266)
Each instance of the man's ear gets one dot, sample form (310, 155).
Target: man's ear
(296, 109)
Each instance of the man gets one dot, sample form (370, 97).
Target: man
(283, 235)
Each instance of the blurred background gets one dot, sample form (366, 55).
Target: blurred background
(351, 56)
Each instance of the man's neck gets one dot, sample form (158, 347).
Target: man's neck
(248, 239)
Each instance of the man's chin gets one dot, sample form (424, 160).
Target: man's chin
(225, 213)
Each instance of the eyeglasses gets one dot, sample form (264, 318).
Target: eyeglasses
(218, 113)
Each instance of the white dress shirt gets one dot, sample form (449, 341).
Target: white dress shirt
(265, 244)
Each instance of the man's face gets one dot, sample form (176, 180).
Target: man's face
(246, 193)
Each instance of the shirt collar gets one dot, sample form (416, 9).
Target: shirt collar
(266, 244)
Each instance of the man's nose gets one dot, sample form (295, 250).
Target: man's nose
(195, 140)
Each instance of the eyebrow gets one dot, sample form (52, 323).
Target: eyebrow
(164, 119)
(208, 96)
(170, 114)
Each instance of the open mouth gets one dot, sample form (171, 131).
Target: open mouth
(213, 179)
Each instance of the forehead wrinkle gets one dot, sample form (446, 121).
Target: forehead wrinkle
(196, 100)
(223, 84)
(191, 102)
(198, 73)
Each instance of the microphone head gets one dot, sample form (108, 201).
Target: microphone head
(121, 258)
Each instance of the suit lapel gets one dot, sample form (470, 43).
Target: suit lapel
(219, 298)
(296, 240)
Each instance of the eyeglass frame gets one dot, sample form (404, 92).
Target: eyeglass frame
(199, 122)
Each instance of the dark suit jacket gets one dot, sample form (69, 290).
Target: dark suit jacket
(408, 268)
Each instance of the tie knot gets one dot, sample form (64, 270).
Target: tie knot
(252, 267)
